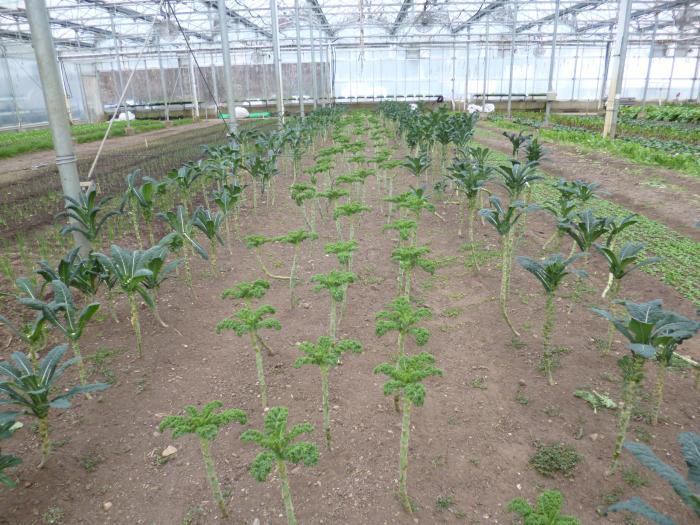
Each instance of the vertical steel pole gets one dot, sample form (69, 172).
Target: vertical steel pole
(466, 69)
(617, 68)
(214, 80)
(14, 95)
(322, 61)
(193, 87)
(552, 61)
(651, 59)
(277, 62)
(163, 84)
(573, 77)
(486, 63)
(670, 77)
(512, 59)
(314, 69)
(695, 80)
(606, 67)
(331, 76)
(226, 51)
(52, 88)
(117, 55)
(300, 73)
(454, 61)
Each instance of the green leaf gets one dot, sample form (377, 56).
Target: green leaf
(262, 465)
(639, 506)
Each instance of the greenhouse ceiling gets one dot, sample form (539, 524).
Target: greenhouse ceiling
(98, 26)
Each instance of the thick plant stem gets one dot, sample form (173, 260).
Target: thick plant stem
(137, 231)
(626, 405)
(293, 277)
(408, 274)
(212, 257)
(333, 321)
(547, 329)
(263, 266)
(45, 440)
(286, 494)
(403, 454)
(260, 370)
(614, 288)
(82, 373)
(135, 323)
(326, 411)
(188, 272)
(507, 261)
(229, 241)
(658, 393)
(212, 477)
(390, 211)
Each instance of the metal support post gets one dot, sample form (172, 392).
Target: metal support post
(454, 61)
(617, 68)
(606, 68)
(226, 51)
(300, 73)
(163, 84)
(193, 87)
(486, 63)
(314, 69)
(670, 77)
(651, 59)
(277, 62)
(573, 77)
(512, 59)
(322, 61)
(14, 95)
(695, 81)
(38, 18)
(119, 68)
(552, 60)
(466, 70)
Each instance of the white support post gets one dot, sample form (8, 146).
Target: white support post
(512, 59)
(226, 51)
(277, 62)
(300, 73)
(193, 87)
(552, 60)
(617, 68)
(651, 60)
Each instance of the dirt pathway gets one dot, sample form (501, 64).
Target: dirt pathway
(660, 194)
(16, 168)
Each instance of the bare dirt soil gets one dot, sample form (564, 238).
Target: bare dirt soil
(658, 193)
(470, 443)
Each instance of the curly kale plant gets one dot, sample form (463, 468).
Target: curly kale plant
(547, 511)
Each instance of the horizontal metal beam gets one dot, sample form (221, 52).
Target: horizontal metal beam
(236, 17)
(481, 13)
(639, 13)
(581, 6)
(22, 36)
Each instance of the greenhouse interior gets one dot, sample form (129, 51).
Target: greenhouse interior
(368, 262)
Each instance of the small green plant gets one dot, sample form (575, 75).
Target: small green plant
(547, 512)
(409, 258)
(343, 251)
(444, 502)
(209, 224)
(29, 387)
(295, 238)
(249, 321)
(256, 242)
(634, 478)
(247, 290)
(86, 215)
(596, 400)
(206, 424)
(182, 237)
(279, 448)
(53, 515)
(517, 140)
(555, 458)
(406, 378)
(404, 227)
(228, 199)
(550, 272)
(585, 229)
(350, 211)
(302, 193)
(325, 354)
(688, 490)
(336, 282)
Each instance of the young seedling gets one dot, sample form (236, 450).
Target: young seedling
(326, 354)
(409, 258)
(504, 220)
(547, 512)
(206, 424)
(29, 387)
(406, 378)
(249, 321)
(350, 211)
(295, 238)
(550, 272)
(279, 448)
(247, 290)
(649, 329)
(578, 190)
(620, 265)
(130, 271)
(209, 224)
(256, 242)
(336, 282)
(687, 489)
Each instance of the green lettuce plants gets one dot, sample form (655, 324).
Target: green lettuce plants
(688, 490)
(326, 354)
(87, 215)
(250, 321)
(206, 424)
(649, 329)
(209, 223)
(406, 379)
(548, 510)
(130, 271)
(336, 283)
(256, 242)
(504, 220)
(32, 387)
(295, 238)
(550, 272)
(621, 263)
(247, 290)
(350, 210)
(279, 448)
(409, 258)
